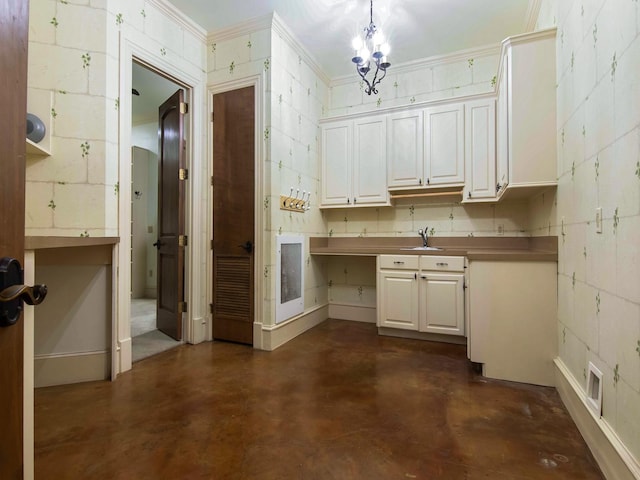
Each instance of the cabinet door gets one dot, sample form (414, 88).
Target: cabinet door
(502, 127)
(444, 144)
(405, 149)
(398, 302)
(480, 150)
(370, 161)
(442, 303)
(336, 163)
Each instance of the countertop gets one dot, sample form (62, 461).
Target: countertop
(541, 249)
(38, 243)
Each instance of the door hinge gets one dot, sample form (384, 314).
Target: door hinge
(212, 116)
(211, 308)
(183, 240)
(211, 244)
(212, 180)
(184, 108)
(182, 307)
(183, 174)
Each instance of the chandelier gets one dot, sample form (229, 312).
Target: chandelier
(370, 51)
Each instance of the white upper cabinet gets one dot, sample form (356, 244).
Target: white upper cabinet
(528, 114)
(426, 147)
(369, 176)
(354, 163)
(337, 157)
(405, 132)
(480, 151)
(444, 144)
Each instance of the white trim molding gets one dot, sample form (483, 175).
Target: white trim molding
(531, 17)
(355, 313)
(274, 336)
(613, 457)
(180, 18)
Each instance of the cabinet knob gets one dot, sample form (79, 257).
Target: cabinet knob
(348, 201)
(354, 200)
(498, 186)
(420, 181)
(469, 195)
(428, 181)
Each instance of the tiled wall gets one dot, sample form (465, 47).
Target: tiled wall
(74, 49)
(598, 59)
(464, 73)
(294, 98)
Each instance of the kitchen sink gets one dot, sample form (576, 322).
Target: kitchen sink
(423, 249)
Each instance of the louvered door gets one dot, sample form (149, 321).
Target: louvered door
(233, 215)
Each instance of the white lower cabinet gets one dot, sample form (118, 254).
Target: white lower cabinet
(422, 293)
(442, 303)
(399, 299)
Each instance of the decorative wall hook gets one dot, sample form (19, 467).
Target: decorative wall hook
(295, 203)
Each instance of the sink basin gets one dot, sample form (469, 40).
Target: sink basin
(423, 249)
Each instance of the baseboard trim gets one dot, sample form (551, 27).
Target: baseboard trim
(68, 368)
(433, 337)
(613, 457)
(275, 336)
(355, 313)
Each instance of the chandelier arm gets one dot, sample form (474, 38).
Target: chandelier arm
(364, 79)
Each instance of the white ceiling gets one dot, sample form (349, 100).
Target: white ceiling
(415, 28)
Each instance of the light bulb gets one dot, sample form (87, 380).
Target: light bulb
(356, 43)
(378, 38)
(385, 48)
(365, 54)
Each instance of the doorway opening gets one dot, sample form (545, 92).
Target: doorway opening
(150, 90)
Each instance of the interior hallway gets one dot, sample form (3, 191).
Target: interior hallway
(338, 402)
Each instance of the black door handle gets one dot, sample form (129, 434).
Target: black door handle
(158, 244)
(248, 246)
(13, 293)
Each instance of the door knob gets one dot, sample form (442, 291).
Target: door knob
(248, 246)
(13, 293)
(158, 244)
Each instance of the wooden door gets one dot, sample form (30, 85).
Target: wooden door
(14, 29)
(170, 243)
(233, 215)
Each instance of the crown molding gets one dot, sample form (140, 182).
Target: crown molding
(429, 62)
(180, 18)
(247, 27)
(531, 17)
(274, 23)
(283, 30)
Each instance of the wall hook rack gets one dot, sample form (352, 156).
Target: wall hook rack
(298, 203)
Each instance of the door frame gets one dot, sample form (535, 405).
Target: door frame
(263, 249)
(193, 82)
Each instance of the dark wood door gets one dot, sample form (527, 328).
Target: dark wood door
(171, 178)
(233, 215)
(14, 15)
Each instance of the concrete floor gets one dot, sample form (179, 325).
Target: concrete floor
(338, 402)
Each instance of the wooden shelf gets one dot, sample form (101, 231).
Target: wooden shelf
(35, 150)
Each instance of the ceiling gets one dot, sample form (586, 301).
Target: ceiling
(415, 28)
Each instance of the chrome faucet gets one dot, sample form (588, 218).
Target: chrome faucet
(424, 234)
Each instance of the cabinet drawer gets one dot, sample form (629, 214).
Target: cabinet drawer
(441, 263)
(403, 262)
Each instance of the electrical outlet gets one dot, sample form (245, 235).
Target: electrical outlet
(500, 229)
(149, 228)
(599, 220)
